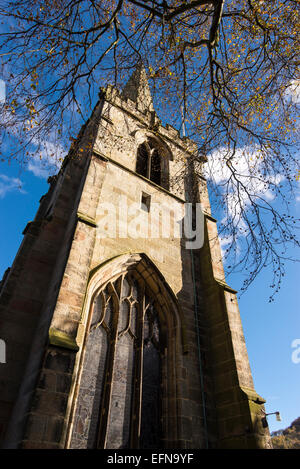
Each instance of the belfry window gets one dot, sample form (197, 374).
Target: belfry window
(152, 162)
(119, 401)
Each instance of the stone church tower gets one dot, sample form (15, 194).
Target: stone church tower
(118, 333)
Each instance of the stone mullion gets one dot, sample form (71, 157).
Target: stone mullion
(106, 402)
(138, 377)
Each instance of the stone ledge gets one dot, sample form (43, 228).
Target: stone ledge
(61, 339)
(32, 228)
(208, 215)
(86, 219)
(225, 286)
(252, 395)
(106, 119)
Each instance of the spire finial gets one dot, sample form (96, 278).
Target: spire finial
(137, 89)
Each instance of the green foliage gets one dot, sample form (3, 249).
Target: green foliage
(288, 438)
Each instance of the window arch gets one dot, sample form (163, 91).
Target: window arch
(119, 404)
(153, 161)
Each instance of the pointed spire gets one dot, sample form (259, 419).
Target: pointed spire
(137, 89)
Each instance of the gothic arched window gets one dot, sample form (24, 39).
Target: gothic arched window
(119, 400)
(152, 162)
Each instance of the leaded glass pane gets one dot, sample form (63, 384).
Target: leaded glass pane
(98, 311)
(86, 421)
(124, 315)
(125, 288)
(150, 416)
(109, 314)
(135, 289)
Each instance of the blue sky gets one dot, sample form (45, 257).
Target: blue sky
(2, 91)
(270, 328)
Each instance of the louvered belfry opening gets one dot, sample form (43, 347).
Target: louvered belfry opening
(142, 160)
(155, 175)
(119, 401)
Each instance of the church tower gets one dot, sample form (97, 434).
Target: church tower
(120, 329)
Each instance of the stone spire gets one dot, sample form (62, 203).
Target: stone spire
(137, 89)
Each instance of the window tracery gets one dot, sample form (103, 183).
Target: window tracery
(119, 401)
